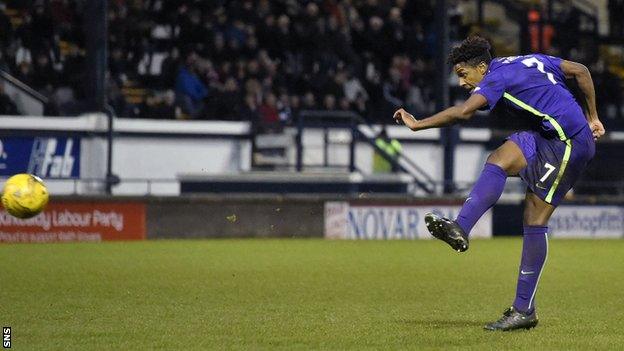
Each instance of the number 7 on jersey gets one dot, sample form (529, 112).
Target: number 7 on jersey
(532, 61)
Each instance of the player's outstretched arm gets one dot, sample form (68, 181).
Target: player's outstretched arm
(445, 118)
(583, 78)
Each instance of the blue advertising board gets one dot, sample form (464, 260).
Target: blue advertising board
(46, 157)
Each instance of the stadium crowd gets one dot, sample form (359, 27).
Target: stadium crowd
(240, 59)
(229, 59)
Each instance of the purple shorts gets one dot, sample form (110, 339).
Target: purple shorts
(553, 166)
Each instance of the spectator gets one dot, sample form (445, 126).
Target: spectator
(42, 27)
(25, 73)
(249, 110)
(44, 76)
(4, 65)
(169, 68)
(22, 54)
(160, 107)
(73, 69)
(616, 26)
(225, 102)
(7, 106)
(378, 40)
(269, 115)
(190, 90)
(344, 104)
(295, 106)
(329, 102)
(192, 31)
(309, 101)
(6, 29)
(353, 87)
(284, 109)
(609, 97)
(369, 55)
(117, 64)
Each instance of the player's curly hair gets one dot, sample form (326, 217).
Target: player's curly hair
(473, 50)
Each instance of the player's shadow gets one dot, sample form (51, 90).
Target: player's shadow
(439, 322)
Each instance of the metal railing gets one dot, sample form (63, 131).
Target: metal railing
(353, 121)
(27, 100)
(326, 120)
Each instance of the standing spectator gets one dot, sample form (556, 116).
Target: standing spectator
(4, 65)
(269, 115)
(117, 64)
(378, 40)
(22, 54)
(284, 37)
(24, 73)
(7, 106)
(225, 101)
(44, 76)
(219, 52)
(6, 29)
(353, 87)
(192, 31)
(267, 36)
(249, 110)
(284, 109)
(190, 90)
(616, 26)
(42, 27)
(169, 68)
(74, 70)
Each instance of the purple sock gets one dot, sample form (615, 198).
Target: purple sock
(534, 252)
(484, 195)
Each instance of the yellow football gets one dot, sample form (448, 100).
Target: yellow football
(24, 195)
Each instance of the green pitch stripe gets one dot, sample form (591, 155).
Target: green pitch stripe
(562, 137)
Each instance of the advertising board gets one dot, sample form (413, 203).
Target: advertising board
(47, 157)
(77, 221)
(344, 220)
(579, 221)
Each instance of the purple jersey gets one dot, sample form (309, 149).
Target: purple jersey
(534, 83)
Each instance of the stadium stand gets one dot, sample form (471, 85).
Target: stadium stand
(264, 60)
(227, 60)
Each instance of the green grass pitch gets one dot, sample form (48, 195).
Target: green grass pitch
(305, 294)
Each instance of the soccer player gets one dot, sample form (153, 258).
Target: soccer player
(548, 160)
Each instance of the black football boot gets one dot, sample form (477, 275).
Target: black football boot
(512, 320)
(448, 231)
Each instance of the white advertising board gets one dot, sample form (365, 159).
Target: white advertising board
(371, 221)
(572, 221)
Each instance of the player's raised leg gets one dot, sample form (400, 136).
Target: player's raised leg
(507, 160)
(522, 314)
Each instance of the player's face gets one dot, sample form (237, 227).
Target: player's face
(470, 76)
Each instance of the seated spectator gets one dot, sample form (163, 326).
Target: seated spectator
(329, 102)
(309, 101)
